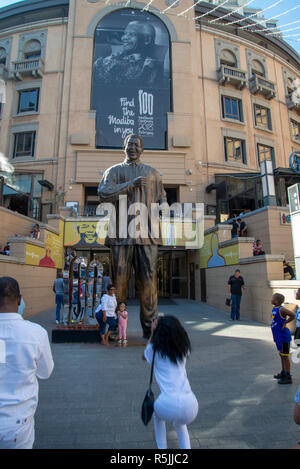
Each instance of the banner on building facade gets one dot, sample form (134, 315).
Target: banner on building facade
(211, 255)
(85, 233)
(93, 233)
(131, 85)
(49, 256)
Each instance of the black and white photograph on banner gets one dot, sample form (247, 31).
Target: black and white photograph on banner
(131, 85)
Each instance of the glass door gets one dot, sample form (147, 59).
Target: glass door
(163, 274)
(179, 274)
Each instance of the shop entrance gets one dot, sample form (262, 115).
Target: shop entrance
(172, 274)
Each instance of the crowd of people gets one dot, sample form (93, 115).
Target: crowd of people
(27, 355)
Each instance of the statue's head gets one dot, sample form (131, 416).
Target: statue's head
(133, 147)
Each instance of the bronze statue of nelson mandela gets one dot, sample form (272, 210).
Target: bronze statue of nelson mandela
(136, 187)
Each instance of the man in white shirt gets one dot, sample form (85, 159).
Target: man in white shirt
(25, 355)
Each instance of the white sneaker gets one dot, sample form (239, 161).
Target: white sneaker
(57, 322)
(120, 341)
(125, 341)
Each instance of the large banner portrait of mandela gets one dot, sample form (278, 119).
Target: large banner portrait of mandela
(131, 85)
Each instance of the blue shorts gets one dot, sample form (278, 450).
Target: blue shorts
(283, 348)
(109, 320)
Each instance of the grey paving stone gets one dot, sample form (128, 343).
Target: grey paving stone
(93, 398)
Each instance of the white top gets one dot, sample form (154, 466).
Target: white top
(109, 304)
(297, 396)
(170, 378)
(25, 355)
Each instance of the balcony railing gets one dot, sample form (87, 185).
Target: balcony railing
(33, 67)
(235, 76)
(262, 86)
(293, 102)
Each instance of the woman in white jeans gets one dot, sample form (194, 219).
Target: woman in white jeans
(176, 404)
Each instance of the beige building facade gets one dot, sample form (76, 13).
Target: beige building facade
(234, 102)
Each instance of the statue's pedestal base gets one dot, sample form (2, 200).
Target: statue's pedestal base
(63, 334)
(90, 334)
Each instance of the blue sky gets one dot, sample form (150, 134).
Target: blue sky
(280, 6)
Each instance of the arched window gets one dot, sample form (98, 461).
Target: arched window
(2, 56)
(131, 84)
(257, 68)
(228, 58)
(32, 49)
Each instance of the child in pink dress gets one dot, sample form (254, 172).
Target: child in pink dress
(122, 323)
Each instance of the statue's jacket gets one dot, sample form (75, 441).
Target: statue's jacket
(134, 211)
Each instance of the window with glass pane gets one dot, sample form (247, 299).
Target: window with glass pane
(32, 55)
(24, 144)
(295, 126)
(28, 100)
(232, 108)
(265, 153)
(22, 182)
(262, 117)
(235, 150)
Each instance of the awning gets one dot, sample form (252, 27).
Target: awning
(286, 172)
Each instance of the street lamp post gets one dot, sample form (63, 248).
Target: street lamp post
(268, 185)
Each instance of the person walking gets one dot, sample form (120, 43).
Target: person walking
(105, 282)
(235, 285)
(58, 288)
(25, 356)
(106, 314)
(176, 403)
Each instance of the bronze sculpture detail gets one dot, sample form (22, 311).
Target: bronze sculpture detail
(140, 187)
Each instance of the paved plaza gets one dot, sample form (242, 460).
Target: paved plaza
(93, 398)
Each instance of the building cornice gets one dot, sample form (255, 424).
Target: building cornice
(30, 26)
(22, 13)
(210, 10)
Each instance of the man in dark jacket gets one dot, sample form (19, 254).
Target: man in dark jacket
(235, 285)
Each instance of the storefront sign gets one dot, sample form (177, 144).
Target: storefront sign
(131, 79)
(211, 255)
(294, 161)
(285, 218)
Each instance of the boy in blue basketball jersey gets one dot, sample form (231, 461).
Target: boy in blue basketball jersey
(282, 336)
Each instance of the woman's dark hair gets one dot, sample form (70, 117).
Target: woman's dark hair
(170, 339)
(110, 287)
